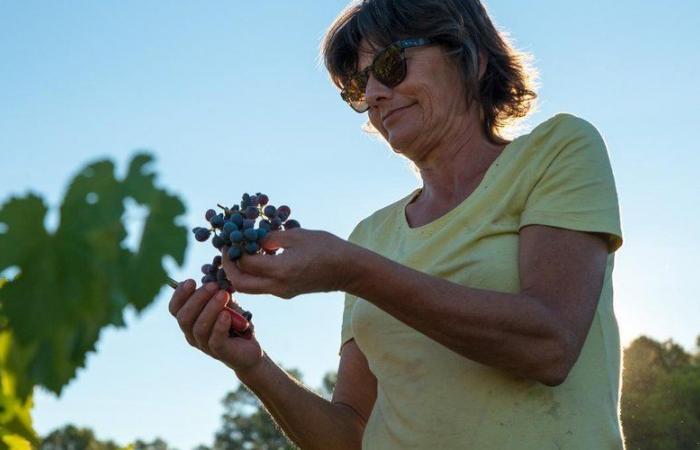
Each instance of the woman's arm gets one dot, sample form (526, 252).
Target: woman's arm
(537, 333)
(309, 420)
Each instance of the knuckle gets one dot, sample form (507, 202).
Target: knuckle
(191, 341)
(216, 346)
(200, 332)
(174, 301)
(284, 293)
(184, 320)
(180, 316)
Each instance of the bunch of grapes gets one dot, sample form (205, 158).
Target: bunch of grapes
(241, 228)
(235, 227)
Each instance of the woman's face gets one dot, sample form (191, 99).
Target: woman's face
(419, 113)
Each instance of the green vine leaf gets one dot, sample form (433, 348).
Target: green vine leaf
(16, 429)
(74, 282)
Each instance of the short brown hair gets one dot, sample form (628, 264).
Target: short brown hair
(506, 92)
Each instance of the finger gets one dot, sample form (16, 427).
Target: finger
(189, 312)
(201, 329)
(245, 282)
(180, 296)
(250, 284)
(219, 339)
(232, 271)
(278, 239)
(265, 265)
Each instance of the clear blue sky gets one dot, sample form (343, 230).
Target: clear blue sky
(230, 98)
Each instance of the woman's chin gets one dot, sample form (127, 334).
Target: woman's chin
(399, 142)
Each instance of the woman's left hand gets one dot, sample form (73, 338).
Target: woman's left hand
(312, 261)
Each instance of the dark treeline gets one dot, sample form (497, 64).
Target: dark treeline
(660, 408)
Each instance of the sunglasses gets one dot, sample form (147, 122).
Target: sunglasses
(388, 67)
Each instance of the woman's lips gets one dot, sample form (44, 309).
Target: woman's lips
(395, 111)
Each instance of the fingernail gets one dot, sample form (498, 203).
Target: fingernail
(212, 287)
(221, 296)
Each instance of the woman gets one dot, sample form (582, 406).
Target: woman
(478, 310)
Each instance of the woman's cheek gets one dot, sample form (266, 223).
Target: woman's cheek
(376, 122)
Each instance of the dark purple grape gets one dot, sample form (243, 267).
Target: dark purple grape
(248, 315)
(252, 248)
(276, 223)
(216, 262)
(283, 212)
(270, 211)
(206, 269)
(237, 219)
(201, 234)
(218, 242)
(217, 221)
(209, 214)
(221, 275)
(234, 253)
(262, 232)
(291, 223)
(265, 224)
(252, 213)
(236, 237)
(228, 228)
(254, 201)
(235, 208)
(245, 201)
(264, 199)
(250, 234)
(224, 285)
(248, 223)
(209, 279)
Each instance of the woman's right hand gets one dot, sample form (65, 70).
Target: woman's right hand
(201, 316)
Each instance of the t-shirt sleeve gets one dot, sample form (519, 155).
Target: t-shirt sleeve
(346, 330)
(350, 300)
(574, 186)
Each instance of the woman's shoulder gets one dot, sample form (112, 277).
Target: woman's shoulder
(562, 126)
(563, 131)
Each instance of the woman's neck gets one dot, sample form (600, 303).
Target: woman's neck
(454, 169)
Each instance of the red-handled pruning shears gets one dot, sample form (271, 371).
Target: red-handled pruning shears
(247, 315)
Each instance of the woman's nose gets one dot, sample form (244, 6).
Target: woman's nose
(376, 91)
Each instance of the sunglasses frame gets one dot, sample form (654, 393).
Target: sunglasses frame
(355, 95)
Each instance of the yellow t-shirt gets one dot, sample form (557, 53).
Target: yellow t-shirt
(429, 397)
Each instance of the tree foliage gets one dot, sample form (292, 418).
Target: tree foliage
(73, 282)
(71, 437)
(246, 424)
(660, 407)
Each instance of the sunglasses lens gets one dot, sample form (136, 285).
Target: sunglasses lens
(390, 66)
(354, 91)
(359, 106)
